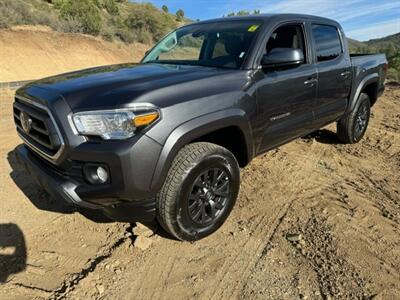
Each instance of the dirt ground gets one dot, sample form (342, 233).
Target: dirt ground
(315, 219)
(32, 52)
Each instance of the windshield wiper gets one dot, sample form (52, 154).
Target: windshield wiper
(173, 62)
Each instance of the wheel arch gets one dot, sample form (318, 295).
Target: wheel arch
(205, 128)
(368, 85)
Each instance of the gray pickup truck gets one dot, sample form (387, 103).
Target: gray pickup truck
(164, 139)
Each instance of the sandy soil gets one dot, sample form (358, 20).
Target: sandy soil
(32, 52)
(315, 219)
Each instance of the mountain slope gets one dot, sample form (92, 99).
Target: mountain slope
(111, 19)
(387, 41)
(32, 52)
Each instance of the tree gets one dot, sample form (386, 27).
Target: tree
(244, 13)
(179, 15)
(165, 8)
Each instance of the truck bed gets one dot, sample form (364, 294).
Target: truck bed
(366, 67)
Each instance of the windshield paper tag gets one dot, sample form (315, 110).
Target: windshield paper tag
(252, 28)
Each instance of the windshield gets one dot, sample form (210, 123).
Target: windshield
(222, 44)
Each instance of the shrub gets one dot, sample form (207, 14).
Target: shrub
(86, 12)
(125, 35)
(70, 25)
(393, 75)
(110, 6)
(149, 23)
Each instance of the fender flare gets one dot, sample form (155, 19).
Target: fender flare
(371, 78)
(194, 129)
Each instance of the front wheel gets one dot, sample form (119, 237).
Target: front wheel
(351, 128)
(200, 191)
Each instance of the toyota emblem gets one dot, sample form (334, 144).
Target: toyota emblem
(26, 122)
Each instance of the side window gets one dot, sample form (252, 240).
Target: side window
(327, 42)
(287, 36)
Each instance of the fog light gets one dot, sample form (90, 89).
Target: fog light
(96, 174)
(102, 174)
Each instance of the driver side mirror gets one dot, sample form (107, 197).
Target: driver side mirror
(283, 57)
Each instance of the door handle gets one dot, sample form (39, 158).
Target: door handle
(310, 82)
(345, 74)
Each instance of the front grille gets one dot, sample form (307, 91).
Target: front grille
(37, 128)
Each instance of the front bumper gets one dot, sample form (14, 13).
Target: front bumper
(67, 188)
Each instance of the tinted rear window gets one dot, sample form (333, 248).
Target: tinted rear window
(327, 42)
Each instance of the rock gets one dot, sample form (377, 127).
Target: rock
(142, 242)
(293, 237)
(144, 230)
(128, 234)
(100, 288)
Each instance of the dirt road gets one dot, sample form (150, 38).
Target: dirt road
(315, 219)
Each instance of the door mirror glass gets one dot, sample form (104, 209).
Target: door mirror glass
(283, 57)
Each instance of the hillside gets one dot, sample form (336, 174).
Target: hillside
(354, 44)
(385, 42)
(110, 19)
(390, 40)
(31, 52)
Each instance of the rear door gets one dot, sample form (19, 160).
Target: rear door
(285, 97)
(334, 73)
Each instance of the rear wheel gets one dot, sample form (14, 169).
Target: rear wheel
(200, 191)
(352, 128)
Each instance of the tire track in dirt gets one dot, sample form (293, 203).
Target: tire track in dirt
(154, 274)
(73, 280)
(243, 263)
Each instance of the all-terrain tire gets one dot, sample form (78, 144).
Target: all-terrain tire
(203, 177)
(352, 127)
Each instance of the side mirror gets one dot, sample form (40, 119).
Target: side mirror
(283, 57)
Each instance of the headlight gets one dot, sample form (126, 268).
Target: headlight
(113, 124)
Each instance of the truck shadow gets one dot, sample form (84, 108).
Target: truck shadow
(41, 199)
(323, 136)
(12, 251)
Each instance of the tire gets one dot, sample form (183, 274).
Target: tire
(352, 127)
(190, 206)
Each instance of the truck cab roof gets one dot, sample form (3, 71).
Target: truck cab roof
(275, 18)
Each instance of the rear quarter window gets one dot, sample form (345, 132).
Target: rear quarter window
(327, 42)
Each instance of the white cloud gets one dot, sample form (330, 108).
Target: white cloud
(352, 14)
(376, 30)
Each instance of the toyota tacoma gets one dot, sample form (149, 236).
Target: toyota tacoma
(165, 139)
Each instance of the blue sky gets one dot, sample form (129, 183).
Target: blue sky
(361, 19)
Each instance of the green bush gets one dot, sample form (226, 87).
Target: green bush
(393, 75)
(149, 23)
(86, 12)
(110, 6)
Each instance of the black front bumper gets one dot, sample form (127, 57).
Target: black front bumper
(65, 188)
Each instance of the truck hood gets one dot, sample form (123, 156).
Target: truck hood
(121, 85)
